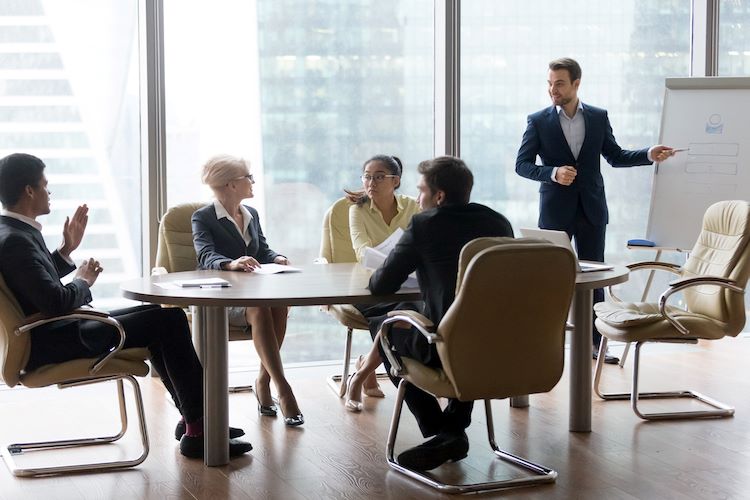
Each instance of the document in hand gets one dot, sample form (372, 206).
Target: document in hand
(203, 283)
(373, 258)
(276, 268)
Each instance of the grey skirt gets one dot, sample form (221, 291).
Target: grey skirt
(237, 316)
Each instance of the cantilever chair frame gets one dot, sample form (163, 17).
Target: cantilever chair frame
(552, 272)
(13, 450)
(719, 409)
(541, 473)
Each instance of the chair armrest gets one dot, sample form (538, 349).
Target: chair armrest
(418, 321)
(36, 320)
(704, 280)
(681, 284)
(650, 265)
(656, 265)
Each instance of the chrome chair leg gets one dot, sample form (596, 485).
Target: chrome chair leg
(338, 383)
(543, 474)
(719, 410)
(11, 451)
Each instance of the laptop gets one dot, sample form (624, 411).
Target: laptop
(561, 239)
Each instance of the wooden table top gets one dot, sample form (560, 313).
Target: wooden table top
(316, 284)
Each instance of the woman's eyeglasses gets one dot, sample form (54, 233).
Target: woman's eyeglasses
(248, 176)
(376, 177)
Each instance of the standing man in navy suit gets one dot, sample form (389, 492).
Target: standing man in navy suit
(569, 138)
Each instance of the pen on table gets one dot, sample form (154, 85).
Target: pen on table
(213, 286)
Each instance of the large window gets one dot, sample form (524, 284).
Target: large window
(625, 48)
(734, 38)
(307, 91)
(69, 93)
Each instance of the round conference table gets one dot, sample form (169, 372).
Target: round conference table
(326, 284)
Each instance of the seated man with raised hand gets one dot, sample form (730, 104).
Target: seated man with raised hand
(33, 275)
(431, 245)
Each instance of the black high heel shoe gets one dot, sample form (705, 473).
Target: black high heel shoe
(267, 411)
(294, 420)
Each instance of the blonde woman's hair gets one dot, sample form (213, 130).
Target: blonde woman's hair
(223, 169)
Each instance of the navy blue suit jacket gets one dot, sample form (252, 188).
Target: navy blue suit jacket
(544, 137)
(217, 240)
(33, 275)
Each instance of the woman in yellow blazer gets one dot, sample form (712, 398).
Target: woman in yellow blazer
(377, 212)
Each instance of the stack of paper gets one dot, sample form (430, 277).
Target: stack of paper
(373, 258)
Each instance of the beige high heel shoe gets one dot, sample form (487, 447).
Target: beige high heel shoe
(372, 391)
(352, 405)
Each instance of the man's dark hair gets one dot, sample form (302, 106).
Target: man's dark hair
(17, 171)
(449, 175)
(574, 70)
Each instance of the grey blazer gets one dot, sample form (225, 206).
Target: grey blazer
(217, 240)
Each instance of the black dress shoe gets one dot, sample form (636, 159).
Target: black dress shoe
(435, 452)
(192, 447)
(608, 358)
(234, 432)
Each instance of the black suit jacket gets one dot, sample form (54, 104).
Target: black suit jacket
(217, 240)
(544, 137)
(33, 274)
(431, 246)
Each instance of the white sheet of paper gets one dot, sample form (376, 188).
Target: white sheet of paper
(167, 285)
(276, 268)
(390, 242)
(373, 258)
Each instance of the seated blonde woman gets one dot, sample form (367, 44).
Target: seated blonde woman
(227, 235)
(377, 212)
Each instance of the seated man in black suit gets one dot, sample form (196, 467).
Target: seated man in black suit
(431, 245)
(33, 274)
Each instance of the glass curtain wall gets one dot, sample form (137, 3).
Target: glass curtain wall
(75, 104)
(734, 38)
(307, 91)
(625, 49)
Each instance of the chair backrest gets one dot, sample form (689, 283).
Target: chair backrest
(722, 249)
(336, 240)
(504, 334)
(175, 251)
(14, 349)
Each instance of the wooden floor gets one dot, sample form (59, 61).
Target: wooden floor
(337, 454)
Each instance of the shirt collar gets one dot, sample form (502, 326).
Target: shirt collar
(221, 212)
(560, 109)
(26, 220)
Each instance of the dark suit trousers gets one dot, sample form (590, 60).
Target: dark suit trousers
(430, 417)
(164, 331)
(589, 241)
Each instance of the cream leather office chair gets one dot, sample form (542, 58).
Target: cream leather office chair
(118, 365)
(712, 280)
(175, 252)
(502, 337)
(336, 246)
